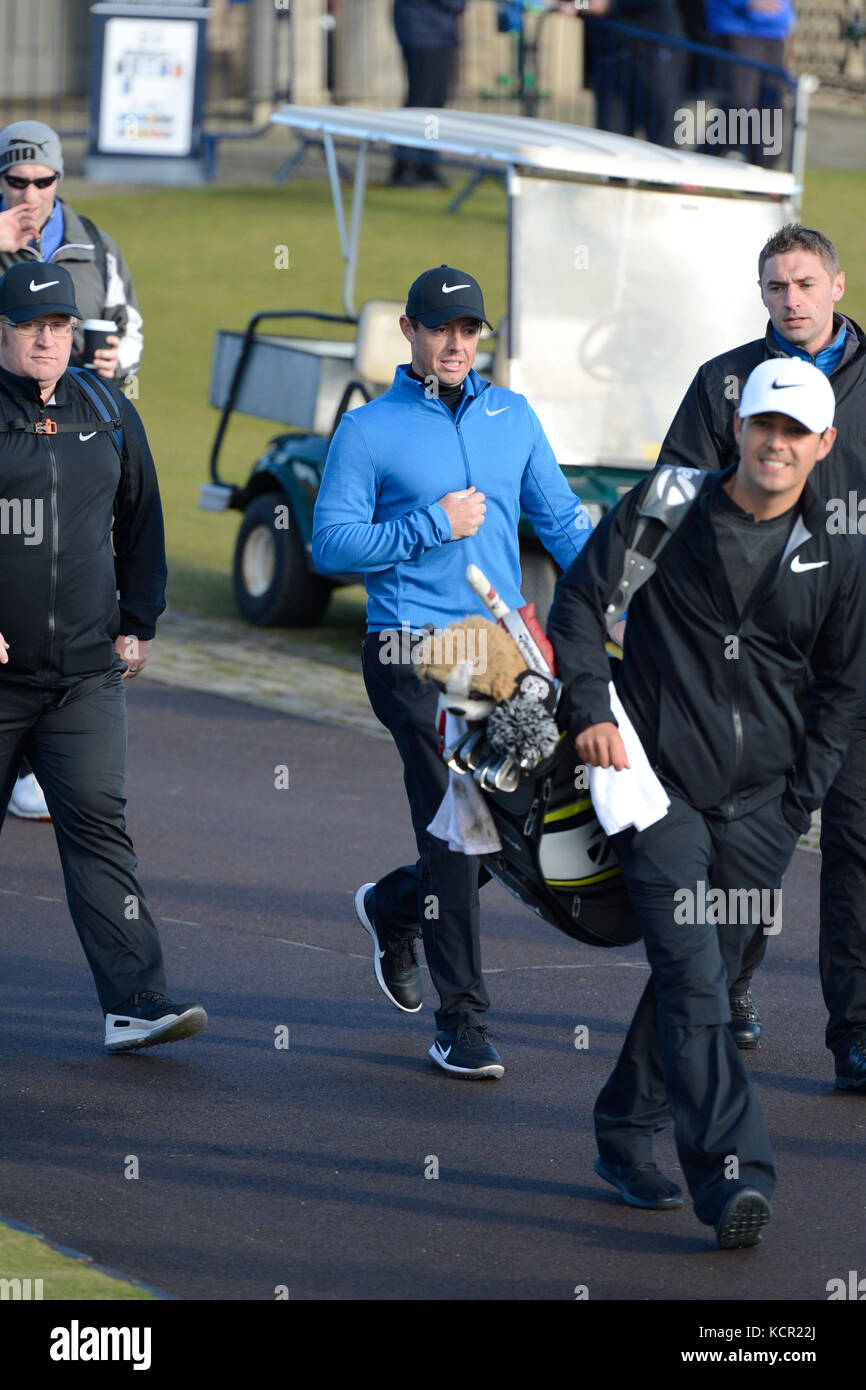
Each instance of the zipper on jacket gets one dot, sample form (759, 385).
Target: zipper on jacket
(725, 599)
(55, 547)
(738, 731)
(456, 424)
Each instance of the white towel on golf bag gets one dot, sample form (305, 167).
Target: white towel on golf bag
(463, 818)
(634, 796)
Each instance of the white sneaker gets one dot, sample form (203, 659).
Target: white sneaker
(149, 1019)
(27, 800)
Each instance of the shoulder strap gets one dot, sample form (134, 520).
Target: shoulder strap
(669, 497)
(98, 246)
(105, 404)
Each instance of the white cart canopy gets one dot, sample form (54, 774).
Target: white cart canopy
(629, 264)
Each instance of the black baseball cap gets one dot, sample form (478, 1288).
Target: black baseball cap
(443, 294)
(30, 289)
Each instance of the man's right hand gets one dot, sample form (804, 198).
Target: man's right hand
(601, 745)
(18, 225)
(465, 510)
(4, 647)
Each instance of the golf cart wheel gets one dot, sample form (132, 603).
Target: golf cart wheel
(273, 586)
(538, 576)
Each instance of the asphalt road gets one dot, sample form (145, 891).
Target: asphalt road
(304, 1167)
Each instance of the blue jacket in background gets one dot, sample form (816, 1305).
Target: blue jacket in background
(427, 23)
(735, 17)
(378, 511)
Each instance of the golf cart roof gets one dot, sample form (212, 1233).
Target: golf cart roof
(548, 148)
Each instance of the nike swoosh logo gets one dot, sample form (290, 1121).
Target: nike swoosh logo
(84, 437)
(784, 385)
(488, 411)
(47, 286)
(799, 566)
(449, 289)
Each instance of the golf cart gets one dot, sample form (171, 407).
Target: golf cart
(628, 265)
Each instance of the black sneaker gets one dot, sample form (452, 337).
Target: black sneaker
(851, 1067)
(148, 1019)
(743, 1217)
(465, 1051)
(641, 1184)
(745, 1021)
(395, 956)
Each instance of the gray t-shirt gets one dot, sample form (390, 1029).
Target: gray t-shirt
(746, 546)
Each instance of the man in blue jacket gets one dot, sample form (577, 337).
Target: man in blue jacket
(425, 480)
(757, 31)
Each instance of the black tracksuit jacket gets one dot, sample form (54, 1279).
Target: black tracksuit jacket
(727, 724)
(66, 597)
(702, 431)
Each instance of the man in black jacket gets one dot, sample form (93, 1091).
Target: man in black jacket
(744, 668)
(74, 478)
(801, 284)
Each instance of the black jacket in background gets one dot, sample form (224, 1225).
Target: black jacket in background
(59, 605)
(427, 23)
(728, 724)
(702, 432)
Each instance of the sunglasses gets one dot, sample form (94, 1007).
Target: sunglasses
(46, 181)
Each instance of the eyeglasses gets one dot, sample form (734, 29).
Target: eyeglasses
(15, 181)
(32, 330)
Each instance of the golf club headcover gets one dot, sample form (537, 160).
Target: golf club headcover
(522, 728)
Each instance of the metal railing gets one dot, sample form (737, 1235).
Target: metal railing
(690, 95)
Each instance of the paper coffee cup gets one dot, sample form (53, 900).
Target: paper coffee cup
(96, 333)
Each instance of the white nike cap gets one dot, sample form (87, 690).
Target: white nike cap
(790, 386)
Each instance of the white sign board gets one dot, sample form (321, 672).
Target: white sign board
(148, 84)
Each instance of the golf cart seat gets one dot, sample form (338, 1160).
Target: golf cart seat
(379, 347)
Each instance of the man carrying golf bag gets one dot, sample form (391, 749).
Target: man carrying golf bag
(743, 672)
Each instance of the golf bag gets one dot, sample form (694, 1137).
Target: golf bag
(555, 856)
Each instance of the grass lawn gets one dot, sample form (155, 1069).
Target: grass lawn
(204, 259)
(25, 1256)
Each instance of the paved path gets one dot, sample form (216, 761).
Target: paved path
(305, 1166)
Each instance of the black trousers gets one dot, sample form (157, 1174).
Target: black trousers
(75, 740)
(749, 89)
(439, 892)
(679, 1059)
(428, 75)
(842, 938)
(638, 87)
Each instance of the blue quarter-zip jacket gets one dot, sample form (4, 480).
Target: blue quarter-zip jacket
(378, 511)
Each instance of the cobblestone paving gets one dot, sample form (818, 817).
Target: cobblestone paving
(262, 668)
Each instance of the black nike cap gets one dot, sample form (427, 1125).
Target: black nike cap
(443, 294)
(30, 289)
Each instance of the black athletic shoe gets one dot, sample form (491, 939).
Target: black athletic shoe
(641, 1184)
(465, 1051)
(743, 1217)
(745, 1021)
(395, 957)
(148, 1019)
(851, 1068)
